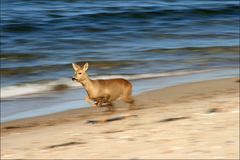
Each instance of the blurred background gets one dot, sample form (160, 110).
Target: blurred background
(132, 39)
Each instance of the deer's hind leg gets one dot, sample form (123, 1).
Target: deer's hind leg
(127, 97)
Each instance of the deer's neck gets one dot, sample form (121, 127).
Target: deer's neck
(87, 84)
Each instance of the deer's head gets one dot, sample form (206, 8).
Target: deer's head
(80, 72)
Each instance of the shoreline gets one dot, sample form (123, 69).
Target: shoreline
(55, 102)
(83, 113)
(197, 120)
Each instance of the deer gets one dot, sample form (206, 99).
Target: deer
(103, 91)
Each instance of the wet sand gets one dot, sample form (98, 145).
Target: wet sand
(195, 120)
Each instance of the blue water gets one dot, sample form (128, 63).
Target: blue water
(131, 39)
(40, 39)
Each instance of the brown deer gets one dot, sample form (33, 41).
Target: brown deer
(103, 91)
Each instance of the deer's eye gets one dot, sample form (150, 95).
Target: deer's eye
(79, 73)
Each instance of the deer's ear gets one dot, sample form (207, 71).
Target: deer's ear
(75, 66)
(85, 67)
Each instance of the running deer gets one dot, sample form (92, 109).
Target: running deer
(103, 91)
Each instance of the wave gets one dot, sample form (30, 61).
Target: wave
(207, 49)
(32, 69)
(35, 68)
(37, 87)
(149, 12)
(20, 56)
(66, 83)
(19, 27)
(16, 26)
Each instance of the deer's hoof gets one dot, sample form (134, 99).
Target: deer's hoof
(94, 106)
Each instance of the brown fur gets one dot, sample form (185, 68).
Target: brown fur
(103, 91)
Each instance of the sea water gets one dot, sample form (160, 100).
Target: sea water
(136, 40)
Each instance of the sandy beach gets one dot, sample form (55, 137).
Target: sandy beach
(195, 120)
(181, 57)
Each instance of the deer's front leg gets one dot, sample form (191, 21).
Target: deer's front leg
(99, 101)
(87, 99)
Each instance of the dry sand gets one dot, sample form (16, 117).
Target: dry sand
(191, 121)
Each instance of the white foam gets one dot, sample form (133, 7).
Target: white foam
(31, 88)
(150, 75)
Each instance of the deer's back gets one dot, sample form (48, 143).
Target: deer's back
(112, 87)
(113, 82)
